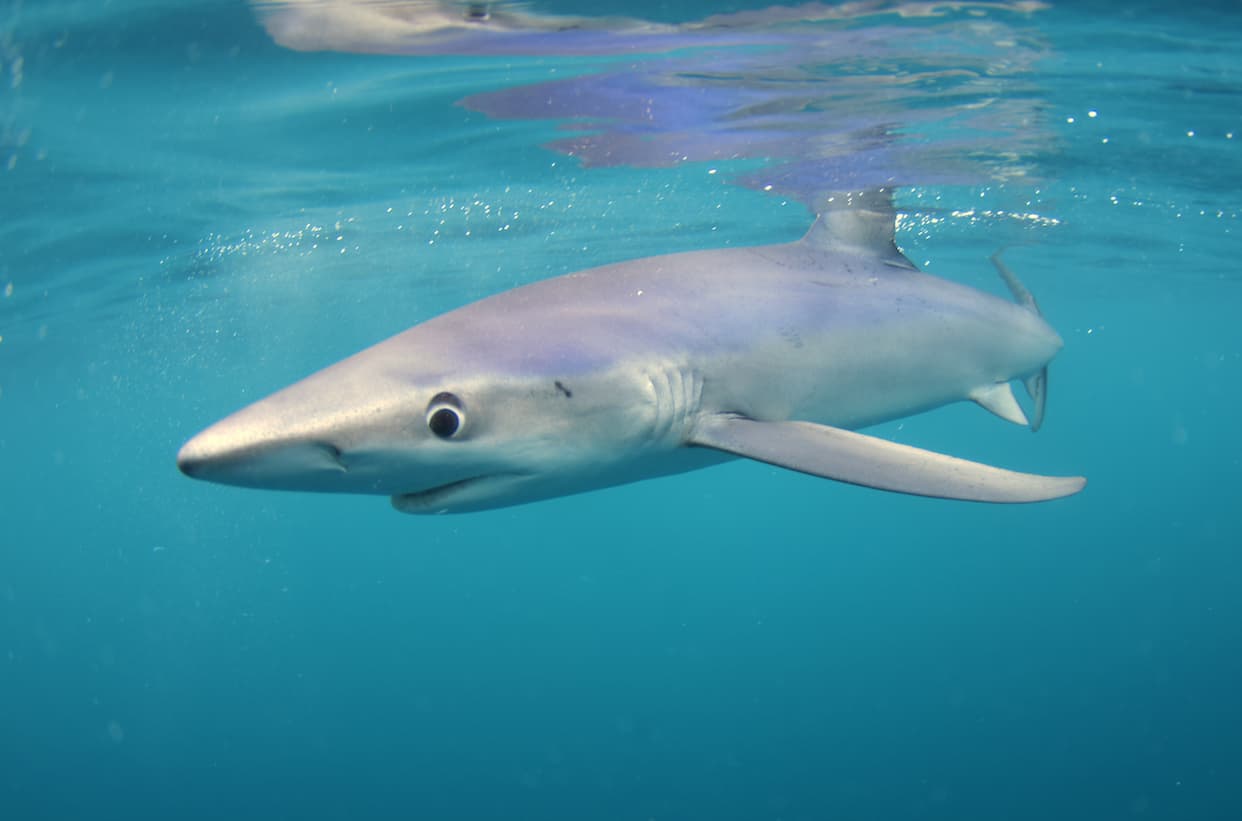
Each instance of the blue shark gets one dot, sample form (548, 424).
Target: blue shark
(657, 366)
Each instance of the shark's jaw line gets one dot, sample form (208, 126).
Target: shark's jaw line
(443, 498)
(658, 366)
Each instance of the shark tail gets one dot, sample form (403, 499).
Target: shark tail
(1037, 383)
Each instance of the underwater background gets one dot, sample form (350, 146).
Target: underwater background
(192, 216)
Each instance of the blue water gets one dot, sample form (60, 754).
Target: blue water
(191, 217)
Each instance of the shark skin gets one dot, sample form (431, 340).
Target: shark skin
(658, 366)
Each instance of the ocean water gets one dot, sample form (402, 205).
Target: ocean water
(192, 216)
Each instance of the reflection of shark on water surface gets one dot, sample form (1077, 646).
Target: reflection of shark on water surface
(653, 366)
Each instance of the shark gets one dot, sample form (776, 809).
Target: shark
(656, 366)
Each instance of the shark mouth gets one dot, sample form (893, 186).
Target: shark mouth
(474, 493)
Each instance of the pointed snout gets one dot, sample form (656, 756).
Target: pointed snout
(226, 455)
(193, 460)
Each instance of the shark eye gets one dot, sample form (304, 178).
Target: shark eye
(444, 415)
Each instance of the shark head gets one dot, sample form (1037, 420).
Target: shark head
(435, 438)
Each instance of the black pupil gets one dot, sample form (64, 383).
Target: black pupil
(444, 422)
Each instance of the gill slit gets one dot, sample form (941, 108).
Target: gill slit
(676, 394)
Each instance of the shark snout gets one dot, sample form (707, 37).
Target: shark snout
(291, 465)
(192, 462)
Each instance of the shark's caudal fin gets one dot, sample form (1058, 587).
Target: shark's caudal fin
(1037, 383)
(866, 222)
(858, 459)
(859, 221)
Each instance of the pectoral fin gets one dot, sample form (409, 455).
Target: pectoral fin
(847, 456)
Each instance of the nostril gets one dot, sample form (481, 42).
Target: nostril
(334, 453)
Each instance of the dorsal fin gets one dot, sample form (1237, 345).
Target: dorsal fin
(859, 221)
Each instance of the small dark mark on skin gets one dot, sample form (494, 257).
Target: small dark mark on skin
(792, 337)
(560, 387)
